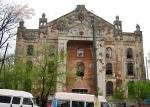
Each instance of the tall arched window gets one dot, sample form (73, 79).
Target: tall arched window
(108, 52)
(80, 69)
(109, 88)
(129, 53)
(108, 69)
(130, 69)
(30, 50)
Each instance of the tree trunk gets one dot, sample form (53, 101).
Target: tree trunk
(43, 102)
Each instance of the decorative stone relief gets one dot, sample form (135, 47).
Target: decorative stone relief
(81, 16)
(62, 24)
(62, 66)
(100, 59)
(80, 30)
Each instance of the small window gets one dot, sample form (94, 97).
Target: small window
(27, 101)
(80, 69)
(80, 52)
(109, 88)
(129, 53)
(16, 100)
(108, 69)
(5, 99)
(30, 50)
(81, 91)
(130, 69)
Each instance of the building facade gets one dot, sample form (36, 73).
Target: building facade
(119, 55)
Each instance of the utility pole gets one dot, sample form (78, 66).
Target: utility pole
(4, 57)
(94, 63)
(146, 68)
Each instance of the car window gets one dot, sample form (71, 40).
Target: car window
(89, 104)
(16, 100)
(5, 99)
(27, 101)
(63, 103)
(104, 104)
(77, 104)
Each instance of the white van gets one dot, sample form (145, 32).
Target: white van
(15, 98)
(63, 99)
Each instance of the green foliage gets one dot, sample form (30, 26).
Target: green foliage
(39, 76)
(119, 94)
(79, 73)
(15, 75)
(139, 90)
(45, 70)
(27, 85)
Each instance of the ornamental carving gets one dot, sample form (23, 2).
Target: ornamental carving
(81, 16)
(61, 24)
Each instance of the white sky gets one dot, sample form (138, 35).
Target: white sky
(131, 12)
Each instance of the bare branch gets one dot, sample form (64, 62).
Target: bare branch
(10, 16)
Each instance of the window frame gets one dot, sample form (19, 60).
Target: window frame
(109, 88)
(109, 69)
(18, 98)
(130, 69)
(80, 69)
(129, 54)
(31, 103)
(80, 51)
(4, 100)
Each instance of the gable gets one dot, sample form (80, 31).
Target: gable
(79, 16)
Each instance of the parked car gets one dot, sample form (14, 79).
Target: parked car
(15, 98)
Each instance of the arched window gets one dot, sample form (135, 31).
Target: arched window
(109, 88)
(30, 49)
(108, 52)
(108, 69)
(80, 69)
(129, 53)
(29, 66)
(130, 69)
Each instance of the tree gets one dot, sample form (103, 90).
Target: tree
(45, 72)
(6, 75)
(10, 16)
(15, 75)
(139, 91)
(119, 94)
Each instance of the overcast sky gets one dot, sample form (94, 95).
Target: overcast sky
(131, 12)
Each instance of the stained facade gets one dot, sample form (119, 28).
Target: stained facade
(119, 54)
